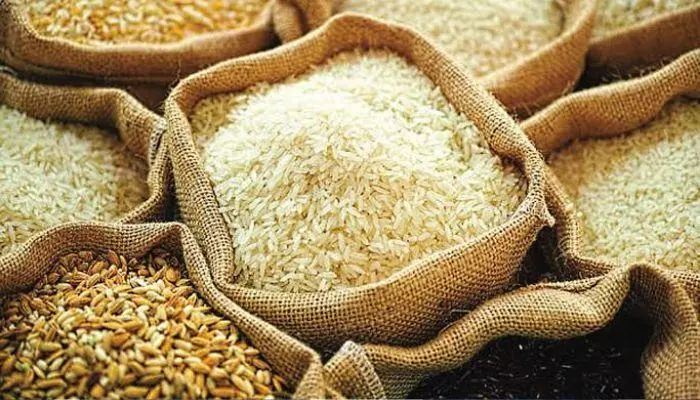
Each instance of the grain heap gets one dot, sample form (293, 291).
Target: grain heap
(144, 21)
(617, 14)
(638, 195)
(54, 173)
(348, 173)
(98, 326)
(481, 35)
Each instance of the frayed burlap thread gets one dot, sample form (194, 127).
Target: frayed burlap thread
(413, 304)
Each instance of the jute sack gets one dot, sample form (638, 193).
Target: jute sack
(298, 364)
(564, 310)
(643, 45)
(604, 112)
(413, 304)
(139, 129)
(24, 49)
(523, 87)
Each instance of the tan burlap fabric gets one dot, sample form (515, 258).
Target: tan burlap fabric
(670, 363)
(602, 112)
(644, 44)
(24, 49)
(524, 86)
(413, 304)
(297, 363)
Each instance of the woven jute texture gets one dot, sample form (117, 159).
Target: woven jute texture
(412, 304)
(523, 87)
(297, 363)
(139, 129)
(644, 45)
(24, 49)
(670, 362)
(604, 112)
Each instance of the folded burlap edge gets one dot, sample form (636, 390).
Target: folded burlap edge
(24, 49)
(545, 311)
(643, 45)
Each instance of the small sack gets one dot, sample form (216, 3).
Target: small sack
(139, 129)
(394, 310)
(525, 85)
(299, 366)
(603, 112)
(643, 45)
(545, 311)
(27, 51)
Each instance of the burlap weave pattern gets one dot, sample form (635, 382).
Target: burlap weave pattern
(391, 311)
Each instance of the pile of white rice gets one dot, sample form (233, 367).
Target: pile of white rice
(346, 174)
(617, 14)
(638, 195)
(482, 35)
(52, 173)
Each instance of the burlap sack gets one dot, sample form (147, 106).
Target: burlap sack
(670, 362)
(24, 49)
(411, 305)
(602, 112)
(138, 128)
(523, 87)
(643, 45)
(297, 363)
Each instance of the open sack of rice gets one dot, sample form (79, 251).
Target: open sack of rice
(73, 154)
(632, 36)
(129, 41)
(553, 311)
(130, 311)
(626, 190)
(355, 184)
(528, 52)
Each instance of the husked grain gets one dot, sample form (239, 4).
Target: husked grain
(617, 14)
(52, 173)
(482, 35)
(638, 195)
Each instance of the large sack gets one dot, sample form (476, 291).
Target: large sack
(413, 304)
(524, 86)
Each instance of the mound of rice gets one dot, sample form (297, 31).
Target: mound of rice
(52, 173)
(346, 174)
(638, 195)
(617, 14)
(482, 35)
